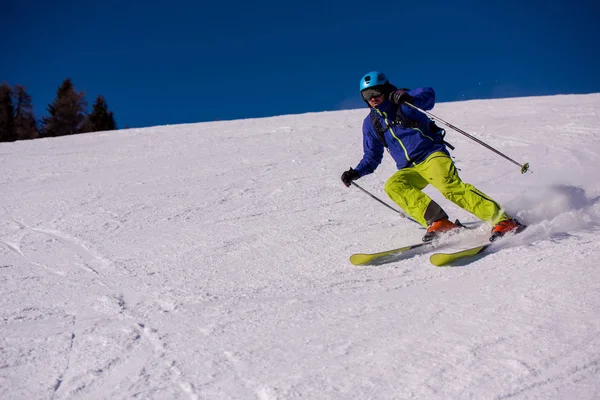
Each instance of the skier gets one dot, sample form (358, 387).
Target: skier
(417, 145)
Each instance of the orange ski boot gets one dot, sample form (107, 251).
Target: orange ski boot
(503, 227)
(437, 227)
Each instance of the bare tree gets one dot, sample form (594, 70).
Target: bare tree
(24, 120)
(7, 133)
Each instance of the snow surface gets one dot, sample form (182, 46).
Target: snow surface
(210, 261)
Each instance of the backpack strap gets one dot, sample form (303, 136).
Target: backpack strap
(378, 127)
(441, 132)
(403, 120)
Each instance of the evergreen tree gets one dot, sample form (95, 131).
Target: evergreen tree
(24, 121)
(6, 114)
(67, 112)
(101, 119)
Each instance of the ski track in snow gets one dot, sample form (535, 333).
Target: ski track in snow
(114, 300)
(214, 265)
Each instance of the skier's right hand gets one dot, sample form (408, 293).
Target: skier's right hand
(349, 176)
(400, 96)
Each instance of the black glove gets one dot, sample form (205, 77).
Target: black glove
(400, 96)
(349, 176)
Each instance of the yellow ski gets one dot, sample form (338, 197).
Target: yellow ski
(364, 259)
(441, 259)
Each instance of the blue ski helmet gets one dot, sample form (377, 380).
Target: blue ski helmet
(373, 78)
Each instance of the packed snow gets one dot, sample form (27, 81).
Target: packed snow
(210, 261)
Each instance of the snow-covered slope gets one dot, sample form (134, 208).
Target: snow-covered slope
(210, 261)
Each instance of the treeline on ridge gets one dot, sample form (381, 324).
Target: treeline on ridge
(67, 115)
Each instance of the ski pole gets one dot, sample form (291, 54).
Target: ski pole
(385, 204)
(524, 167)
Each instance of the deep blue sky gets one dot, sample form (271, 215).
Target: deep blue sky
(163, 62)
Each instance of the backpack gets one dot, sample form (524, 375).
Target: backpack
(403, 120)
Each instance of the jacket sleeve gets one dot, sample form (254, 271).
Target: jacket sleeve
(423, 98)
(373, 150)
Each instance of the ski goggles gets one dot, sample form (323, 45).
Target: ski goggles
(367, 94)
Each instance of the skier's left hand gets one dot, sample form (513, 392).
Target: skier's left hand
(400, 96)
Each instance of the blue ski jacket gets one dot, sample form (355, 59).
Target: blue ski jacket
(408, 135)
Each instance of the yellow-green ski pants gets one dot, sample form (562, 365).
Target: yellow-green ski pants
(405, 189)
